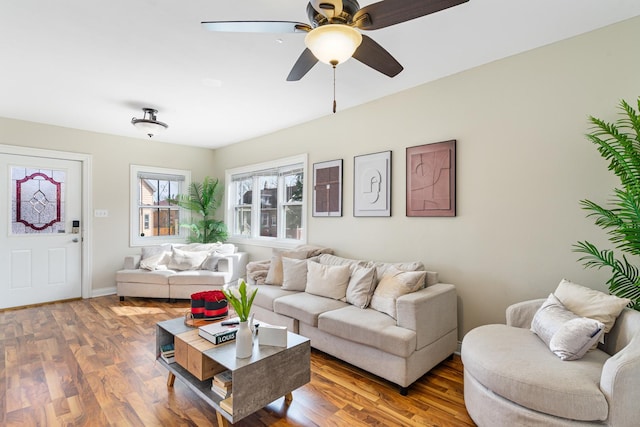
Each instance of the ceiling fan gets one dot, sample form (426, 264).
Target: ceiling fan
(333, 35)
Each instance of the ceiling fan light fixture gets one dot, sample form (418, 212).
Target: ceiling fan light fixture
(149, 124)
(333, 43)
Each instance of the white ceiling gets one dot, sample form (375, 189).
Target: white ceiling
(93, 65)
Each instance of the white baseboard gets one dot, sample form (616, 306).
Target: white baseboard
(459, 349)
(103, 292)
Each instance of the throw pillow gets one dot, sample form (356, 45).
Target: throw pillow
(567, 335)
(158, 261)
(149, 251)
(327, 280)
(294, 274)
(361, 286)
(587, 302)
(186, 260)
(274, 275)
(394, 284)
(211, 262)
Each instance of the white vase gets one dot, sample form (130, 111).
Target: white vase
(244, 341)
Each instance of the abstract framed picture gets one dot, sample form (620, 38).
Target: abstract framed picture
(327, 188)
(431, 179)
(372, 184)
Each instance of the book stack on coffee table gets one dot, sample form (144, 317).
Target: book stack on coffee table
(221, 383)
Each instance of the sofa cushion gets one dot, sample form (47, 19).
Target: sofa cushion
(515, 364)
(157, 277)
(267, 294)
(328, 281)
(198, 277)
(361, 285)
(393, 284)
(294, 274)
(590, 303)
(369, 327)
(568, 335)
(306, 307)
(186, 260)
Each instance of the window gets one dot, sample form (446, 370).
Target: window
(266, 202)
(154, 218)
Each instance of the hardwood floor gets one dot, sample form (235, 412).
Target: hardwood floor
(91, 363)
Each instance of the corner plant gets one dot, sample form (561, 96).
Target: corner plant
(619, 143)
(202, 199)
(241, 304)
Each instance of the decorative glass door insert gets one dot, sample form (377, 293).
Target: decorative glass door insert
(38, 197)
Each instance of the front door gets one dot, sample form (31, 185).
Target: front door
(40, 234)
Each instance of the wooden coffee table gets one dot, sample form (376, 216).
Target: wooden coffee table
(269, 374)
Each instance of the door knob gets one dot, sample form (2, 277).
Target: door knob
(75, 240)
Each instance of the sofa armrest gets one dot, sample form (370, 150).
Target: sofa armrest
(520, 315)
(132, 262)
(430, 312)
(620, 382)
(234, 265)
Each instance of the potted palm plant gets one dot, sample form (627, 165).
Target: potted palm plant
(619, 143)
(202, 200)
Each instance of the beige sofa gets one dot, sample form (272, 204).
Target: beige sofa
(175, 271)
(511, 378)
(401, 349)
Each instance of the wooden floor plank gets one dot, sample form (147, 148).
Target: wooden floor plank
(92, 363)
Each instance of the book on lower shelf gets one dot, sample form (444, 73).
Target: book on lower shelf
(223, 392)
(224, 378)
(227, 404)
(168, 353)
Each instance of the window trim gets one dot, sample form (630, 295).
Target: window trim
(229, 206)
(134, 237)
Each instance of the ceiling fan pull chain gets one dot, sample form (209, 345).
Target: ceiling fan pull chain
(334, 88)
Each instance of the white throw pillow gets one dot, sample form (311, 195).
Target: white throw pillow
(159, 261)
(394, 284)
(361, 286)
(587, 302)
(567, 335)
(274, 275)
(327, 280)
(211, 262)
(294, 274)
(186, 260)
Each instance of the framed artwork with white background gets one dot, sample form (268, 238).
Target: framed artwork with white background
(372, 184)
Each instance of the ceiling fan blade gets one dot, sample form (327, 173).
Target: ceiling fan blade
(328, 8)
(375, 56)
(390, 12)
(256, 26)
(305, 62)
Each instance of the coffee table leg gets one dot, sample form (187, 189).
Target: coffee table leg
(222, 421)
(171, 379)
(288, 398)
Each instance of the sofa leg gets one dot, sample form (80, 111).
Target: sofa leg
(121, 298)
(404, 391)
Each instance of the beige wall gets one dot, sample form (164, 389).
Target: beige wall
(111, 156)
(523, 165)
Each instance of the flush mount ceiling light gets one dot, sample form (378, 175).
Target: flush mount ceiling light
(333, 43)
(149, 124)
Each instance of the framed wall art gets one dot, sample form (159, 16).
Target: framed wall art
(431, 179)
(372, 184)
(327, 188)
